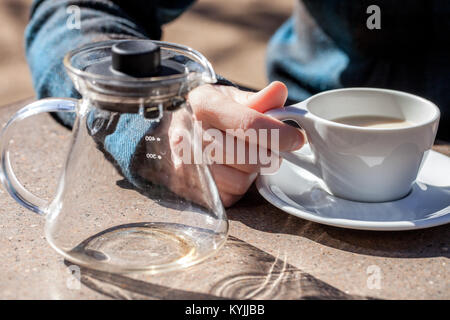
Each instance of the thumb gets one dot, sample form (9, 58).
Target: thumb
(272, 96)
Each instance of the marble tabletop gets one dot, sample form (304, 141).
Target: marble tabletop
(269, 254)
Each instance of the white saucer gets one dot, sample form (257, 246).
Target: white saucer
(300, 193)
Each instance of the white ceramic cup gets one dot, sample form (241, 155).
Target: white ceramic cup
(362, 163)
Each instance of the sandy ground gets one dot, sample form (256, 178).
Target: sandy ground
(232, 34)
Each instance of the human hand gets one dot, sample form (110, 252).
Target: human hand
(228, 108)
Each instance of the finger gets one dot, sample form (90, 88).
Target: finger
(229, 199)
(231, 180)
(221, 148)
(272, 96)
(226, 114)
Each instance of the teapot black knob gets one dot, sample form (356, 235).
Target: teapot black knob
(137, 58)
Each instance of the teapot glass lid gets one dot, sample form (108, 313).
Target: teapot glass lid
(130, 72)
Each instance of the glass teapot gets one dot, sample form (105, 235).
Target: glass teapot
(131, 196)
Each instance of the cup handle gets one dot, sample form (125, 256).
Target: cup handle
(298, 114)
(7, 176)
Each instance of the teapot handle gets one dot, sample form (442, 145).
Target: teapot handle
(7, 176)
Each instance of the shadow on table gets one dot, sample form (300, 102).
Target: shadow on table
(241, 271)
(255, 212)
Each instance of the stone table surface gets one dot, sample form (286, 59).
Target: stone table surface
(269, 254)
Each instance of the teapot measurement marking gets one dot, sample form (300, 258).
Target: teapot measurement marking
(152, 138)
(153, 156)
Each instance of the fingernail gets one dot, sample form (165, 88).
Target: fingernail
(298, 143)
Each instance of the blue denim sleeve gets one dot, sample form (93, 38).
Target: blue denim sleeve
(48, 38)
